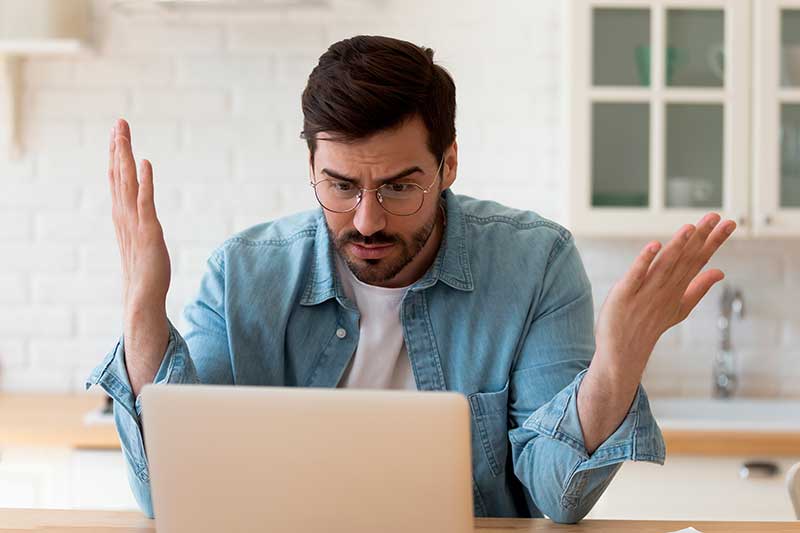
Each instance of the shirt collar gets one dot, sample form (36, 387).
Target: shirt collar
(451, 265)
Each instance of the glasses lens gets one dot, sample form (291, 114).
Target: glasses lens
(401, 198)
(339, 196)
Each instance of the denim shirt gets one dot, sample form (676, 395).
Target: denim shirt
(504, 315)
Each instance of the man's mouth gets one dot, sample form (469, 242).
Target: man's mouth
(370, 251)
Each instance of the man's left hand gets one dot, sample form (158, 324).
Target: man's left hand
(657, 292)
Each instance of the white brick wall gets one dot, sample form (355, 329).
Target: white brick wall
(215, 105)
(765, 340)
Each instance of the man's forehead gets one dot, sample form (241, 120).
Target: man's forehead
(372, 151)
(406, 141)
(376, 159)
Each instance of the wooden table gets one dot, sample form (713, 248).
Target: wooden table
(59, 521)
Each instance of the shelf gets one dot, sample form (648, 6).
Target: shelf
(12, 53)
(35, 47)
(34, 28)
(620, 94)
(10, 81)
(644, 94)
(789, 96)
(716, 96)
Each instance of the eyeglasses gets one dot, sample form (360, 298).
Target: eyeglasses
(402, 199)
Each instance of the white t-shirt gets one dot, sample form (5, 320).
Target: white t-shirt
(381, 360)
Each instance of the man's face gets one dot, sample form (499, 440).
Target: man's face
(377, 245)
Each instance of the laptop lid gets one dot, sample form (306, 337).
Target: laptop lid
(238, 458)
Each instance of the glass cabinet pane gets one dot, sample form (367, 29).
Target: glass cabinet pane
(695, 54)
(694, 155)
(790, 47)
(790, 155)
(620, 154)
(621, 47)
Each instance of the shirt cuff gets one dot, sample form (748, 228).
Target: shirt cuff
(112, 373)
(638, 437)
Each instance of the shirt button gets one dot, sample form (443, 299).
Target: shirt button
(341, 333)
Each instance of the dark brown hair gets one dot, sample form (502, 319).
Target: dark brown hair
(367, 84)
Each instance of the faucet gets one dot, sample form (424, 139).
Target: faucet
(724, 367)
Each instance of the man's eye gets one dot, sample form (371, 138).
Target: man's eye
(342, 186)
(400, 187)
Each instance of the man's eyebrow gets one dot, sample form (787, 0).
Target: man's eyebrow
(399, 175)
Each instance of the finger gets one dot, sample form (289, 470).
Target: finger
(112, 182)
(127, 166)
(715, 240)
(697, 289)
(146, 203)
(665, 262)
(633, 279)
(117, 160)
(690, 253)
(124, 128)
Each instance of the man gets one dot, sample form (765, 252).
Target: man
(396, 282)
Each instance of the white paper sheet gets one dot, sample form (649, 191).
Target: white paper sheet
(688, 530)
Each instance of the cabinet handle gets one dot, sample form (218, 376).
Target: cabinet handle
(742, 221)
(767, 220)
(758, 469)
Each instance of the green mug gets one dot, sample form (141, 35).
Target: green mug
(675, 58)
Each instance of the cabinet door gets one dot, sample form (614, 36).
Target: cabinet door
(43, 477)
(34, 477)
(100, 481)
(658, 114)
(776, 114)
(695, 488)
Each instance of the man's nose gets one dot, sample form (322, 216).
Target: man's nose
(370, 217)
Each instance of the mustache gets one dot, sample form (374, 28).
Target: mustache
(375, 239)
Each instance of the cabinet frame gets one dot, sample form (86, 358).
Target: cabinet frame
(655, 219)
(768, 95)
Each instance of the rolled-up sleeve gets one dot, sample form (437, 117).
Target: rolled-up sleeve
(112, 375)
(206, 336)
(549, 455)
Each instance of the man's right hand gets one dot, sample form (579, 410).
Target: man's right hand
(145, 259)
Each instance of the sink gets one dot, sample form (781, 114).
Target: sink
(727, 414)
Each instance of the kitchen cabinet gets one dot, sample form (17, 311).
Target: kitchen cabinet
(697, 488)
(64, 478)
(59, 451)
(776, 114)
(679, 107)
(33, 28)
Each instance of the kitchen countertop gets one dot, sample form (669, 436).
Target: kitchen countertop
(65, 521)
(729, 426)
(54, 420)
(731, 442)
(58, 420)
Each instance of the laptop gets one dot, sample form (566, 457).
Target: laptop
(277, 459)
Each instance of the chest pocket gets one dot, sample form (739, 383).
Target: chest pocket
(489, 414)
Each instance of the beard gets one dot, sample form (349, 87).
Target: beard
(377, 271)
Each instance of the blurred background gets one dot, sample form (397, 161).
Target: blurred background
(619, 120)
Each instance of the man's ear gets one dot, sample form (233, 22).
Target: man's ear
(450, 166)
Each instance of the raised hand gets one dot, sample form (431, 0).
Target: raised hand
(659, 291)
(144, 256)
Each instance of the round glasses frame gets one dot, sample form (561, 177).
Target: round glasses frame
(362, 190)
